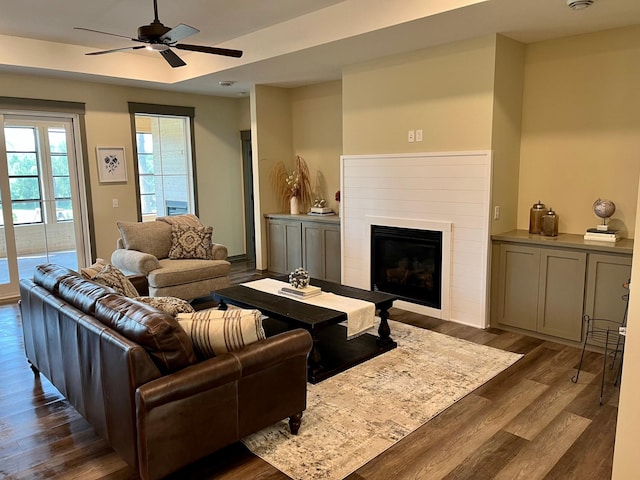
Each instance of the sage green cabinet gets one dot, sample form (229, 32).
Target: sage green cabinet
(546, 286)
(542, 290)
(299, 241)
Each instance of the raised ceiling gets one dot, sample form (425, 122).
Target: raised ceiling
(286, 42)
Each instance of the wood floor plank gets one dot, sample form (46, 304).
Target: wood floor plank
(537, 458)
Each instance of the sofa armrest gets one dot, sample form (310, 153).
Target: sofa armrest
(262, 355)
(219, 251)
(133, 262)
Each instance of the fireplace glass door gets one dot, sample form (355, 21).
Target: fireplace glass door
(408, 263)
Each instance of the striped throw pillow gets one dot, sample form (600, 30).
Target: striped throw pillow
(214, 332)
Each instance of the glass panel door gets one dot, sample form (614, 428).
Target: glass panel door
(41, 170)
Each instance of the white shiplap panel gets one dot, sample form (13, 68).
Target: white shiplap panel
(449, 187)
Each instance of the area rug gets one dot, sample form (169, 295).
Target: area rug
(354, 416)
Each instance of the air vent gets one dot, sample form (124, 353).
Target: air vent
(579, 4)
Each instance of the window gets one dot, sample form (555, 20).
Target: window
(38, 168)
(164, 164)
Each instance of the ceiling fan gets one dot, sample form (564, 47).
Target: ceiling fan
(161, 39)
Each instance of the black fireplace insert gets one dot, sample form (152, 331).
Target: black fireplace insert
(407, 262)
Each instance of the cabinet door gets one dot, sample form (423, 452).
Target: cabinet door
(313, 250)
(605, 276)
(332, 270)
(561, 294)
(518, 290)
(285, 246)
(321, 250)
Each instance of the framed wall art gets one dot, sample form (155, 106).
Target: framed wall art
(112, 167)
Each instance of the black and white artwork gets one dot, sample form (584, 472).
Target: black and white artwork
(111, 164)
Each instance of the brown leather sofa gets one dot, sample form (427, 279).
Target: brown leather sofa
(131, 371)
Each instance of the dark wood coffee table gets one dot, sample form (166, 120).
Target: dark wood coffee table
(331, 352)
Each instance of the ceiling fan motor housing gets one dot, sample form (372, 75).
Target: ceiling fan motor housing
(579, 4)
(152, 32)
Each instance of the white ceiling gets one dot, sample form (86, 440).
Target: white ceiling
(285, 42)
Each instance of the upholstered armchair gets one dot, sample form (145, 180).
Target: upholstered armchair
(176, 254)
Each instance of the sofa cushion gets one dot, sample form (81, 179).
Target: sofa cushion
(82, 293)
(188, 219)
(147, 237)
(92, 270)
(190, 242)
(49, 276)
(110, 276)
(214, 332)
(178, 272)
(157, 332)
(171, 305)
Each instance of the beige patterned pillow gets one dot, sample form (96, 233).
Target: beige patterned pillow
(92, 270)
(110, 276)
(190, 242)
(214, 332)
(171, 305)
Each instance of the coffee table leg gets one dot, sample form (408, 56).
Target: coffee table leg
(222, 305)
(315, 359)
(384, 332)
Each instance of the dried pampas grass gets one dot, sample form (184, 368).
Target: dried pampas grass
(296, 183)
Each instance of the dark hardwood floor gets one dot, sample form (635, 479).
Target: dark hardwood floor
(530, 422)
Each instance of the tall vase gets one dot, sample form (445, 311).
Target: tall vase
(294, 205)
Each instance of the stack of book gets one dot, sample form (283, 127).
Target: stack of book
(321, 211)
(610, 236)
(306, 292)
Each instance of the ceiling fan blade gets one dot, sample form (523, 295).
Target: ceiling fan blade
(102, 52)
(171, 58)
(214, 50)
(178, 33)
(105, 33)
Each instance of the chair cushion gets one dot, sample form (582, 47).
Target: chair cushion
(190, 242)
(157, 332)
(178, 272)
(147, 237)
(110, 276)
(171, 305)
(214, 332)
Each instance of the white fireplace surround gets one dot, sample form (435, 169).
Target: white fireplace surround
(445, 228)
(448, 192)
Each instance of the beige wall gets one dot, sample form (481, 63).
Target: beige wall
(317, 136)
(580, 127)
(507, 130)
(107, 123)
(447, 91)
(272, 141)
(625, 458)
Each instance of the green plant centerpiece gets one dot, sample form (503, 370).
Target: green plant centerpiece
(294, 183)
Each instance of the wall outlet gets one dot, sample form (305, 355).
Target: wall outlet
(114, 202)
(411, 136)
(496, 212)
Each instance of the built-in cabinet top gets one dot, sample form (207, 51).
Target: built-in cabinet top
(334, 219)
(565, 240)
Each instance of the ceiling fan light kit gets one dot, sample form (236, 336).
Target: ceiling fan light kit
(161, 39)
(579, 4)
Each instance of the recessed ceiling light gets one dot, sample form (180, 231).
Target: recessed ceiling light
(579, 4)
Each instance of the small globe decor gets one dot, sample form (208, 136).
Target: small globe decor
(299, 278)
(604, 209)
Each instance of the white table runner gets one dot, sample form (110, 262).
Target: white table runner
(360, 314)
